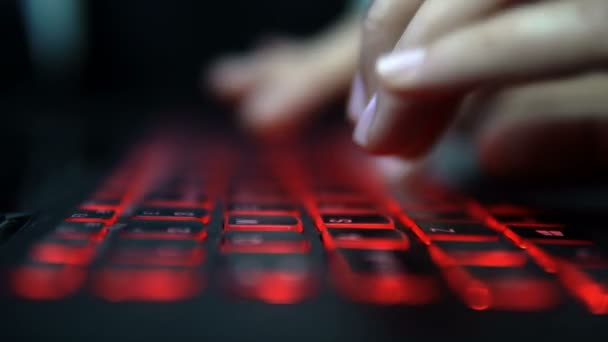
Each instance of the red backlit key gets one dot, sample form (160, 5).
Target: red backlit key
(260, 207)
(155, 253)
(270, 278)
(48, 282)
(325, 206)
(521, 289)
(446, 231)
(365, 238)
(81, 230)
(383, 277)
(262, 222)
(357, 221)
(176, 198)
(148, 229)
(487, 254)
(581, 255)
(440, 216)
(263, 242)
(68, 252)
(84, 215)
(150, 213)
(148, 285)
(550, 235)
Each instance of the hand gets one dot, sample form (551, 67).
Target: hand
(529, 73)
(282, 84)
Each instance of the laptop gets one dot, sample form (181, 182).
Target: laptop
(196, 232)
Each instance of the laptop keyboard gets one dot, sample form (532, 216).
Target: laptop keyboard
(277, 224)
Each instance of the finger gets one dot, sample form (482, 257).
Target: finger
(232, 77)
(406, 128)
(383, 25)
(529, 41)
(547, 130)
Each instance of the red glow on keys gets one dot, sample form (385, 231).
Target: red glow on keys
(157, 285)
(59, 253)
(274, 287)
(268, 247)
(489, 258)
(585, 289)
(332, 243)
(387, 289)
(158, 256)
(202, 235)
(46, 282)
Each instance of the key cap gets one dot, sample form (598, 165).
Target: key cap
(46, 282)
(440, 216)
(554, 235)
(263, 242)
(382, 262)
(487, 254)
(260, 207)
(81, 230)
(325, 206)
(175, 198)
(365, 238)
(383, 277)
(581, 255)
(148, 229)
(155, 253)
(262, 222)
(68, 252)
(84, 215)
(117, 284)
(507, 288)
(270, 278)
(155, 213)
(445, 231)
(357, 221)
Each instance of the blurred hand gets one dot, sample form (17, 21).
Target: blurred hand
(529, 73)
(282, 83)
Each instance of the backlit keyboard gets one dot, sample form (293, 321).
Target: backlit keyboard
(276, 224)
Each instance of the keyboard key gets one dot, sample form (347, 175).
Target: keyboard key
(357, 221)
(81, 230)
(260, 207)
(67, 252)
(262, 222)
(508, 288)
(581, 255)
(486, 254)
(263, 242)
(46, 282)
(382, 262)
(446, 231)
(84, 215)
(365, 238)
(383, 277)
(554, 235)
(154, 213)
(176, 198)
(345, 207)
(154, 253)
(116, 284)
(148, 229)
(440, 215)
(270, 278)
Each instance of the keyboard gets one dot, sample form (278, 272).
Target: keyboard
(186, 220)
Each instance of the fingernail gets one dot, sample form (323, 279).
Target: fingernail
(361, 134)
(400, 64)
(356, 102)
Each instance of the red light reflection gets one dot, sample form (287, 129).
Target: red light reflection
(58, 253)
(273, 286)
(46, 282)
(159, 285)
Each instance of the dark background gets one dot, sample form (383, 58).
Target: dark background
(142, 57)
